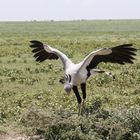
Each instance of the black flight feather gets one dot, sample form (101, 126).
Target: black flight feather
(120, 54)
(40, 53)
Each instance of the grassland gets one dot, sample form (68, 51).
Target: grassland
(33, 102)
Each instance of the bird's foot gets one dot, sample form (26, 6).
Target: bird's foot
(81, 108)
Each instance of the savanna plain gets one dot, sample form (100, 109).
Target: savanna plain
(34, 103)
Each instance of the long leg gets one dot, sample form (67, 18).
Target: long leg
(83, 87)
(75, 90)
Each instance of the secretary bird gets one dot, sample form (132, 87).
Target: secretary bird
(77, 74)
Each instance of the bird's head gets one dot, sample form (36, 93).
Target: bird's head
(67, 88)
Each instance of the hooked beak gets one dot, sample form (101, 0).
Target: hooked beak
(67, 88)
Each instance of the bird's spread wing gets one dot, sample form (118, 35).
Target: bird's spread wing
(44, 52)
(120, 54)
